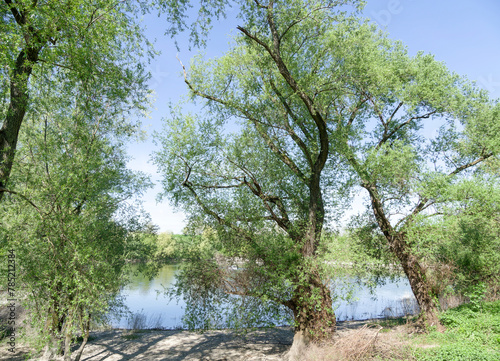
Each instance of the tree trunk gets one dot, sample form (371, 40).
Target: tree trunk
(53, 349)
(15, 113)
(411, 266)
(313, 313)
(79, 352)
(67, 344)
(418, 282)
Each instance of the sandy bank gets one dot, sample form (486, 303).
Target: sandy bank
(114, 345)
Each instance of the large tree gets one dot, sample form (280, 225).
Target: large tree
(99, 45)
(268, 187)
(67, 220)
(390, 105)
(93, 46)
(321, 101)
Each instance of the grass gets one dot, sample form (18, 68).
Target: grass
(366, 343)
(472, 334)
(139, 323)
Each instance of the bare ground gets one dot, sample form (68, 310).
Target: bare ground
(113, 345)
(221, 345)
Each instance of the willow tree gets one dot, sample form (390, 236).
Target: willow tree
(97, 46)
(460, 244)
(269, 186)
(390, 105)
(68, 219)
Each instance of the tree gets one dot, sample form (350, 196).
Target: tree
(67, 220)
(267, 188)
(323, 101)
(93, 46)
(389, 102)
(464, 239)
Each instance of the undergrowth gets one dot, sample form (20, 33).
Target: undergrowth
(472, 334)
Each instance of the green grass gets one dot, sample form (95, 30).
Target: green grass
(472, 334)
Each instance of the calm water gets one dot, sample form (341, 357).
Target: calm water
(146, 297)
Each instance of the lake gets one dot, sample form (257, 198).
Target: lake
(145, 297)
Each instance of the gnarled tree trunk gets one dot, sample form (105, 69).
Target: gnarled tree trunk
(417, 279)
(408, 260)
(313, 313)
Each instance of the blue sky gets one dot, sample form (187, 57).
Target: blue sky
(464, 34)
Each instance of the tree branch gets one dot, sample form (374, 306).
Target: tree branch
(288, 128)
(4, 190)
(354, 112)
(386, 135)
(283, 221)
(18, 15)
(285, 73)
(470, 164)
(285, 158)
(423, 203)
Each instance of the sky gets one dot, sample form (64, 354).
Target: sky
(464, 34)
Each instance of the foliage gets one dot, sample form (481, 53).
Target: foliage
(385, 102)
(67, 219)
(75, 72)
(176, 14)
(268, 187)
(54, 51)
(466, 236)
(209, 306)
(358, 256)
(472, 334)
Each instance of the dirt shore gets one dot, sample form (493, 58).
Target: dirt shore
(114, 345)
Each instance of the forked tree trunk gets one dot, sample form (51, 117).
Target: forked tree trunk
(313, 313)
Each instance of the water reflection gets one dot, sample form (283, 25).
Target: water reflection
(394, 298)
(142, 285)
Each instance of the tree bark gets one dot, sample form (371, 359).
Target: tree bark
(15, 113)
(79, 352)
(418, 281)
(408, 260)
(53, 349)
(313, 313)
(67, 345)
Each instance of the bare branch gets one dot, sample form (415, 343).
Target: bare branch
(387, 136)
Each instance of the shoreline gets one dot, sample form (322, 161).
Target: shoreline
(175, 345)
